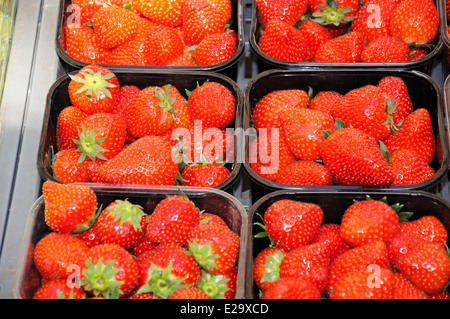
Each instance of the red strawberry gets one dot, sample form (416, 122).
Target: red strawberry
(315, 34)
(87, 8)
(372, 283)
(289, 11)
(354, 158)
(385, 49)
(122, 223)
(214, 49)
(127, 95)
(417, 53)
(310, 262)
(66, 168)
(189, 293)
(142, 246)
(213, 104)
(284, 42)
(405, 289)
(109, 271)
(164, 44)
(346, 48)
(397, 92)
(56, 255)
(212, 218)
(291, 224)
(181, 116)
(219, 286)
(415, 21)
(162, 12)
(172, 220)
(224, 6)
(59, 289)
(69, 208)
(204, 174)
(133, 52)
(329, 235)
(185, 59)
(165, 269)
(90, 236)
(69, 120)
(266, 266)
(94, 89)
(335, 13)
(291, 288)
(416, 133)
(367, 221)
(214, 247)
(305, 172)
(324, 100)
(147, 161)
(409, 167)
(427, 266)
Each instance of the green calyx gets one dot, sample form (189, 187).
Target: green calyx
(100, 279)
(273, 267)
(89, 146)
(331, 14)
(213, 285)
(94, 83)
(124, 211)
(202, 254)
(166, 101)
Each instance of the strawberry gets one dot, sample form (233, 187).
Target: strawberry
(181, 116)
(114, 26)
(427, 266)
(219, 286)
(405, 289)
(127, 95)
(314, 34)
(305, 172)
(204, 174)
(172, 220)
(417, 53)
(94, 89)
(367, 221)
(284, 42)
(214, 48)
(329, 234)
(164, 44)
(146, 161)
(142, 246)
(415, 21)
(346, 48)
(397, 92)
(324, 100)
(189, 293)
(376, 283)
(122, 223)
(266, 266)
(409, 167)
(56, 254)
(109, 271)
(67, 126)
(101, 136)
(59, 289)
(87, 8)
(291, 224)
(162, 12)
(165, 269)
(90, 236)
(69, 208)
(144, 295)
(288, 11)
(291, 288)
(214, 247)
(185, 59)
(309, 262)
(335, 13)
(213, 104)
(268, 110)
(416, 133)
(224, 6)
(354, 158)
(66, 168)
(133, 52)
(212, 218)
(385, 49)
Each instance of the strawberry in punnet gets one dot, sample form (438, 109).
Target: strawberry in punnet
(189, 293)
(142, 246)
(122, 223)
(415, 21)
(289, 11)
(310, 262)
(214, 247)
(427, 266)
(355, 158)
(92, 171)
(162, 12)
(109, 271)
(385, 49)
(329, 234)
(305, 172)
(66, 168)
(405, 289)
(68, 122)
(291, 224)
(211, 218)
(415, 133)
(181, 116)
(101, 136)
(224, 6)
(324, 100)
(166, 269)
(334, 13)
(114, 25)
(90, 236)
(409, 167)
(55, 253)
(268, 110)
(219, 286)
(69, 208)
(172, 220)
(164, 44)
(346, 48)
(127, 95)
(87, 8)
(214, 49)
(204, 174)
(397, 92)
(185, 59)
(147, 161)
(94, 89)
(59, 289)
(376, 283)
(284, 42)
(266, 266)
(291, 288)
(133, 52)
(417, 53)
(315, 34)
(213, 104)
(367, 221)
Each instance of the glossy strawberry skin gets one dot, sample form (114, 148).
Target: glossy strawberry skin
(329, 234)
(305, 172)
(205, 175)
(410, 168)
(397, 91)
(66, 169)
(266, 266)
(59, 289)
(162, 12)
(346, 48)
(385, 49)
(69, 120)
(214, 49)
(291, 288)
(288, 11)
(189, 293)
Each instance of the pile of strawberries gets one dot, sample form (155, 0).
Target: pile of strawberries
(150, 33)
(343, 31)
(122, 134)
(124, 251)
(376, 252)
(371, 135)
